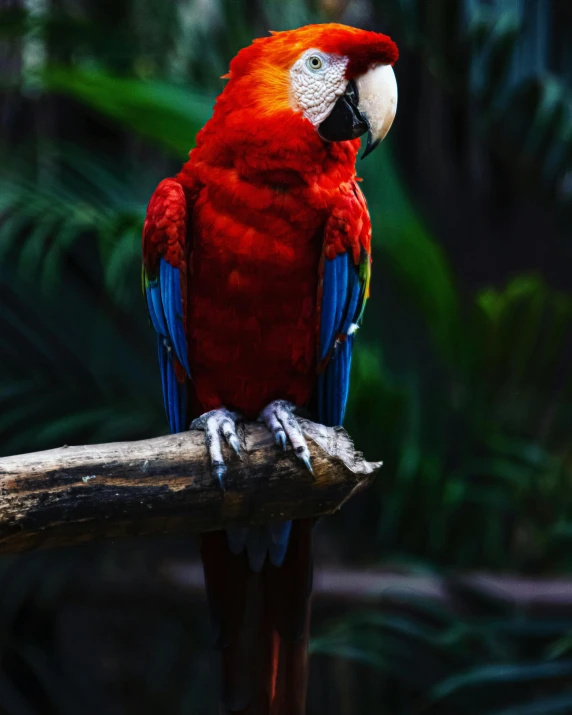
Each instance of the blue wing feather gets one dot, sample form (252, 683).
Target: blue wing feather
(165, 305)
(163, 358)
(345, 369)
(257, 546)
(329, 302)
(236, 537)
(170, 281)
(354, 293)
(176, 400)
(341, 264)
(279, 535)
(155, 306)
(342, 297)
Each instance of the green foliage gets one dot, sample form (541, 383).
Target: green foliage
(456, 658)
(498, 56)
(82, 368)
(160, 111)
(402, 242)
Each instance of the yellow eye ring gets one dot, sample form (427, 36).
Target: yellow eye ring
(314, 63)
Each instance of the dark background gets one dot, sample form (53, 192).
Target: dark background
(461, 377)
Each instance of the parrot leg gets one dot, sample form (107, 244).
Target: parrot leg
(280, 419)
(217, 424)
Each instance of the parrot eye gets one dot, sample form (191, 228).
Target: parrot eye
(315, 62)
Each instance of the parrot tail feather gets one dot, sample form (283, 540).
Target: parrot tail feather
(260, 624)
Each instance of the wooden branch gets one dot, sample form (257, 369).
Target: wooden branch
(73, 495)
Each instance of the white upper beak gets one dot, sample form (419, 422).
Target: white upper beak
(377, 90)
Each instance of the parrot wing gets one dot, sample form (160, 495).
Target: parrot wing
(344, 289)
(165, 290)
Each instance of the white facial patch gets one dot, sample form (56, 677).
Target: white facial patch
(317, 81)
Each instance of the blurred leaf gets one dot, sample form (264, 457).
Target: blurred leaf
(162, 112)
(498, 51)
(501, 673)
(402, 242)
(541, 706)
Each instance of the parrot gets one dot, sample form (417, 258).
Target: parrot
(256, 272)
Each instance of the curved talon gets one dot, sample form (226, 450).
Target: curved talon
(308, 464)
(280, 419)
(280, 438)
(215, 424)
(235, 444)
(218, 470)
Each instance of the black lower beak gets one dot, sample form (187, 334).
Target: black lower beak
(345, 121)
(371, 145)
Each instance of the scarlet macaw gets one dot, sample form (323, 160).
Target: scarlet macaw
(256, 273)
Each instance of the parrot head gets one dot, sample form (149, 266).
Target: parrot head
(338, 78)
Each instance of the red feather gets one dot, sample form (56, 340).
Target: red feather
(267, 204)
(164, 231)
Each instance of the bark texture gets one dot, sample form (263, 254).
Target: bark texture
(73, 495)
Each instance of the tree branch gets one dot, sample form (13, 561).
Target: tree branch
(74, 495)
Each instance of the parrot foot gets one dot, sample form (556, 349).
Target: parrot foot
(280, 419)
(217, 424)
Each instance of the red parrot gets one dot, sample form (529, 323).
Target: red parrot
(256, 266)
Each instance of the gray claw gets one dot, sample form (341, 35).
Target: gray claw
(235, 444)
(280, 438)
(218, 424)
(219, 470)
(304, 458)
(279, 417)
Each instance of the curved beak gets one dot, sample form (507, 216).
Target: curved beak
(378, 102)
(368, 105)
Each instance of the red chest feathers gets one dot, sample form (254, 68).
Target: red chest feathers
(253, 291)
